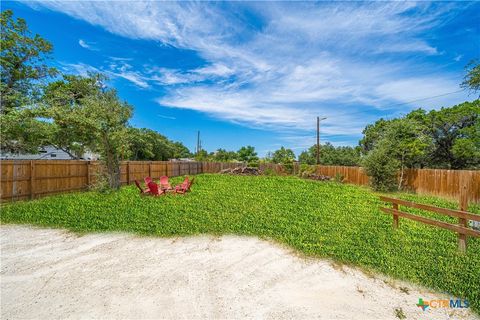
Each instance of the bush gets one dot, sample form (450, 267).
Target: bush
(102, 184)
(382, 169)
(339, 177)
(252, 164)
(306, 169)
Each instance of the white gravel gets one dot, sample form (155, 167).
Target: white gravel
(54, 274)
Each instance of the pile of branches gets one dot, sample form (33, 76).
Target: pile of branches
(243, 171)
(319, 177)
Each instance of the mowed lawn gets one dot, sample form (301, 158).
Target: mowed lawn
(323, 219)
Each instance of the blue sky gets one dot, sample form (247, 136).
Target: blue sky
(259, 73)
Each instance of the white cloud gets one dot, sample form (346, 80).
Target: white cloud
(303, 60)
(86, 45)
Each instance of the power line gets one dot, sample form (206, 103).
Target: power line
(423, 99)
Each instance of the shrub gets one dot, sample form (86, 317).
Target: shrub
(306, 170)
(382, 169)
(339, 177)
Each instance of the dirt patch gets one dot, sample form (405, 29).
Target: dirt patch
(56, 274)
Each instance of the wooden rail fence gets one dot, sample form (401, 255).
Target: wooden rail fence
(448, 184)
(29, 179)
(463, 216)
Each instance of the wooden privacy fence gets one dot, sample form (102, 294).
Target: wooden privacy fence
(463, 216)
(448, 184)
(29, 179)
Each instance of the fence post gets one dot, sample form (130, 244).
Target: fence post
(462, 238)
(150, 169)
(88, 174)
(128, 172)
(32, 179)
(395, 216)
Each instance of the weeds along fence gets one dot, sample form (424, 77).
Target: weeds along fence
(30, 179)
(448, 184)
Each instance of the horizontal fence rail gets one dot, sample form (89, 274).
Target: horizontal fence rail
(461, 228)
(30, 179)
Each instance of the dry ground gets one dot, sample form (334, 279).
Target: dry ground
(56, 274)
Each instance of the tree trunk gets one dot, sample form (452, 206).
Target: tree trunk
(112, 164)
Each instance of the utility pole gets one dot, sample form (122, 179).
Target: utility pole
(198, 142)
(318, 138)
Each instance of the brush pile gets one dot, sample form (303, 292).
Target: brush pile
(318, 177)
(243, 171)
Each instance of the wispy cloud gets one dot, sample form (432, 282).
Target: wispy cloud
(300, 60)
(166, 117)
(86, 45)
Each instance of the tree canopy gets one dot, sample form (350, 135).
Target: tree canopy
(22, 62)
(331, 155)
(445, 138)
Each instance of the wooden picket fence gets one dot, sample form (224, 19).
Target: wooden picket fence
(30, 179)
(449, 184)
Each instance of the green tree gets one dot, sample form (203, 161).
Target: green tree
(203, 155)
(22, 62)
(223, 155)
(472, 78)
(64, 104)
(406, 141)
(455, 136)
(331, 155)
(283, 156)
(86, 115)
(372, 134)
(107, 117)
(22, 67)
(307, 157)
(381, 168)
(180, 151)
(247, 154)
(451, 133)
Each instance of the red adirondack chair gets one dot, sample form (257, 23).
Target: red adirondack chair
(142, 191)
(184, 186)
(154, 190)
(164, 184)
(147, 180)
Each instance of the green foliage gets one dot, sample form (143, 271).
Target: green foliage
(247, 154)
(337, 221)
(64, 103)
(382, 168)
(283, 156)
(22, 132)
(306, 169)
(453, 129)
(331, 155)
(222, 155)
(86, 115)
(446, 138)
(22, 62)
(339, 177)
(146, 144)
(472, 78)
(203, 155)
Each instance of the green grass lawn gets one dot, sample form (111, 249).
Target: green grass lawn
(322, 219)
